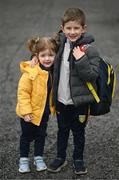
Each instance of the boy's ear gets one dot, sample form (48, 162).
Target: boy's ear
(84, 28)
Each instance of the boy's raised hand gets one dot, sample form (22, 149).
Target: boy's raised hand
(28, 118)
(34, 61)
(78, 53)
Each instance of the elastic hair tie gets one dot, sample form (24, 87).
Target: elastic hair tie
(37, 39)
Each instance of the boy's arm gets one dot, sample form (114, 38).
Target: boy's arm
(24, 95)
(87, 65)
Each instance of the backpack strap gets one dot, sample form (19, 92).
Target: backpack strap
(114, 85)
(110, 70)
(93, 91)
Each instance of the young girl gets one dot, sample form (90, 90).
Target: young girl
(35, 101)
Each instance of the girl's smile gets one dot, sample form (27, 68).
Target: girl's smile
(46, 58)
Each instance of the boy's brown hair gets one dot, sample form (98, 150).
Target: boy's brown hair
(74, 14)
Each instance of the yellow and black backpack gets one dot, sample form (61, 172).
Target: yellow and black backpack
(106, 83)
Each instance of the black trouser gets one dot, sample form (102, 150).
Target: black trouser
(32, 132)
(68, 119)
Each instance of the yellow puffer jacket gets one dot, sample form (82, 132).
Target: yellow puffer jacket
(32, 92)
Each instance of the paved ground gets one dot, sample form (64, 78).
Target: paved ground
(23, 19)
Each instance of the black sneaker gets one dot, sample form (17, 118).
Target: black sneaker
(79, 167)
(57, 165)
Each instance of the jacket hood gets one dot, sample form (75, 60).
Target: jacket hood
(33, 72)
(86, 38)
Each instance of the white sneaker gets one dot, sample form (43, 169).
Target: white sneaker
(24, 165)
(39, 163)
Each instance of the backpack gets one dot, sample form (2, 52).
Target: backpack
(106, 83)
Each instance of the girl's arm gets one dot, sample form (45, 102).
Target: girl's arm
(24, 95)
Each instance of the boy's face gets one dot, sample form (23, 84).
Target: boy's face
(46, 58)
(73, 30)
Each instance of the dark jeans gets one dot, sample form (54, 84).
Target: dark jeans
(68, 119)
(32, 132)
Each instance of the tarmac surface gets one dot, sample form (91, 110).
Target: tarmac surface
(21, 20)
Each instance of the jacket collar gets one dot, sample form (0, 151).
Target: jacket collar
(86, 38)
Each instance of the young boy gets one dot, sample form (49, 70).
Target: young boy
(76, 63)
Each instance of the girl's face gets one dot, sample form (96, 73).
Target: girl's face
(73, 30)
(46, 58)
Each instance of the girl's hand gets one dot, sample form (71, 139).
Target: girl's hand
(34, 61)
(28, 118)
(77, 53)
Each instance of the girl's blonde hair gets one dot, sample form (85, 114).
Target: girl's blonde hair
(37, 44)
